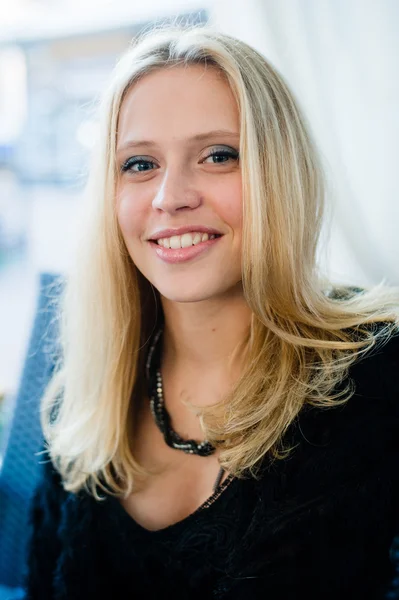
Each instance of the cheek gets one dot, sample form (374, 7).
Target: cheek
(230, 203)
(124, 217)
(234, 214)
(128, 215)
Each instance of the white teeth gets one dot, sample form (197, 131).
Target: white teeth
(185, 241)
(175, 242)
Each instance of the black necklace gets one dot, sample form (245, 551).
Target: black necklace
(158, 409)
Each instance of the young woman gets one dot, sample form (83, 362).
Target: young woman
(222, 423)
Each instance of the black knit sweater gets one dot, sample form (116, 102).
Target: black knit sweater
(318, 525)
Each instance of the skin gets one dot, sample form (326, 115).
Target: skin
(206, 315)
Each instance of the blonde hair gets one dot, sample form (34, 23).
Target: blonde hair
(304, 333)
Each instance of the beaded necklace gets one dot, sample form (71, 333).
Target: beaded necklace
(161, 415)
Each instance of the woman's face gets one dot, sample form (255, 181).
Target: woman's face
(179, 195)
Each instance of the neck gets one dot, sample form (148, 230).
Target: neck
(205, 335)
(201, 356)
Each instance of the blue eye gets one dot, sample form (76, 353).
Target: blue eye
(222, 156)
(137, 160)
(140, 164)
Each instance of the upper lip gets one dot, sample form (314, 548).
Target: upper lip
(167, 233)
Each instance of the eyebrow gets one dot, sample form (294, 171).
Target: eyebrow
(199, 137)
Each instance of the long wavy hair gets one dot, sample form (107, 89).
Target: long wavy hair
(304, 334)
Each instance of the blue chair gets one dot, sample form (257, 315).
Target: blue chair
(21, 468)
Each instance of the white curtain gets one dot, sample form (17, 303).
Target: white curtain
(340, 59)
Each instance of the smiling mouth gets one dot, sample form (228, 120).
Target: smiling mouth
(186, 240)
(184, 248)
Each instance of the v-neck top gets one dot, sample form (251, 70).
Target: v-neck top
(321, 523)
(189, 557)
(186, 521)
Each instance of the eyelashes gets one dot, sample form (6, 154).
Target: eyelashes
(226, 154)
(136, 160)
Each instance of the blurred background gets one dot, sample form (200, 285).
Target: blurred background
(339, 57)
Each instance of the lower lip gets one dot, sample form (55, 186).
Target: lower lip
(180, 255)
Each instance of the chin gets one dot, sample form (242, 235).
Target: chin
(197, 292)
(188, 296)
(195, 285)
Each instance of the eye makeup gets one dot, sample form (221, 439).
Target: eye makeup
(223, 152)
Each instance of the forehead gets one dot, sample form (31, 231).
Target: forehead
(178, 102)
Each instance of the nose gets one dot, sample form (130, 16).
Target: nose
(176, 192)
